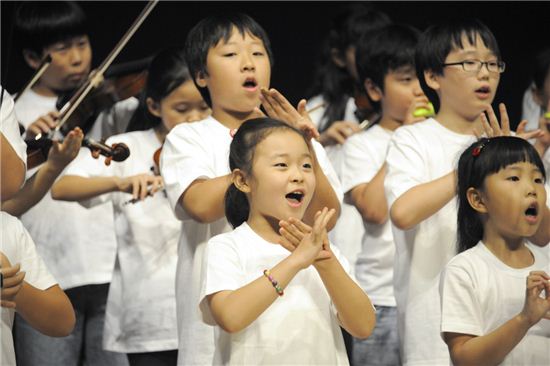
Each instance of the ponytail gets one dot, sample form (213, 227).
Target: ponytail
(236, 206)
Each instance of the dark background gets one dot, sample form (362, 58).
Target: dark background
(296, 30)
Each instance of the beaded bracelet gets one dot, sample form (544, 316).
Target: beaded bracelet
(274, 282)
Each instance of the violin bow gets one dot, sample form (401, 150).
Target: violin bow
(96, 77)
(44, 64)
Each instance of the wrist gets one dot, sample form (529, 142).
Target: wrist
(525, 321)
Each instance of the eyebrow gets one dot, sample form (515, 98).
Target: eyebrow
(515, 167)
(284, 155)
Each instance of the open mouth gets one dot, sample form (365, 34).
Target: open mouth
(295, 198)
(250, 83)
(532, 211)
(484, 90)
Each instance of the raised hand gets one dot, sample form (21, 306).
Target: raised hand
(61, 154)
(140, 185)
(536, 307)
(43, 125)
(278, 107)
(338, 133)
(12, 281)
(310, 244)
(492, 128)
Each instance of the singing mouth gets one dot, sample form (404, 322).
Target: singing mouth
(250, 83)
(295, 197)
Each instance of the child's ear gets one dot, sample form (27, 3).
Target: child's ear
(153, 107)
(201, 79)
(32, 59)
(239, 180)
(432, 79)
(337, 58)
(475, 199)
(373, 91)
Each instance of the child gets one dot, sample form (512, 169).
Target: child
(458, 64)
(141, 307)
(78, 245)
(229, 58)
(385, 61)
(489, 314)
(273, 179)
(27, 286)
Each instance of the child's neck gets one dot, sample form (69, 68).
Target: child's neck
(44, 91)
(231, 119)
(389, 123)
(459, 123)
(511, 251)
(267, 228)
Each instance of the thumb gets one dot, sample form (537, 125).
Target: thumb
(302, 107)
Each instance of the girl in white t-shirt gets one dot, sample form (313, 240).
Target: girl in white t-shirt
(495, 294)
(141, 308)
(245, 271)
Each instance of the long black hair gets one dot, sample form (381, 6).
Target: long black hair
(166, 72)
(241, 155)
(481, 159)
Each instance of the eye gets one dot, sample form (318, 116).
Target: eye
(229, 54)
(492, 63)
(280, 165)
(539, 180)
(307, 166)
(513, 178)
(258, 53)
(470, 62)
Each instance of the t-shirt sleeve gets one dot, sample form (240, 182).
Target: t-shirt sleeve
(9, 126)
(328, 169)
(36, 272)
(360, 164)
(184, 159)
(460, 308)
(222, 270)
(405, 164)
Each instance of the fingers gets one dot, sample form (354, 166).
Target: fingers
(291, 232)
(7, 304)
(287, 244)
(504, 120)
(143, 185)
(10, 271)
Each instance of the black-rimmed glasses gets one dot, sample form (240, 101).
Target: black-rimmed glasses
(476, 65)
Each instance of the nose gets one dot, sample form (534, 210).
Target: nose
(247, 63)
(195, 115)
(297, 176)
(531, 188)
(417, 89)
(76, 56)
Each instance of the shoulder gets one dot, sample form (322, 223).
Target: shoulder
(470, 261)
(14, 237)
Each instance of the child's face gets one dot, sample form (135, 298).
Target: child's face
(237, 69)
(71, 61)
(183, 104)
(514, 199)
(401, 88)
(282, 180)
(467, 93)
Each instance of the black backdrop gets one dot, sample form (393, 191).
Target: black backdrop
(296, 30)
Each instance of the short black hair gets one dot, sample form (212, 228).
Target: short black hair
(481, 159)
(439, 40)
(208, 32)
(384, 50)
(541, 68)
(40, 24)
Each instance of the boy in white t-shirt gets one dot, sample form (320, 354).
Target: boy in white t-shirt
(385, 61)
(27, 286)
(229, 57)
(76, 243)
(458, 64)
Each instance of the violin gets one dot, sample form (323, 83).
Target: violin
(156, 171)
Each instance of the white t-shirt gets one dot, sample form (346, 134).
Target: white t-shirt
(479, 293)
(349, 230)
(300, 328)
(10, 127)
(364, 155)
(418, 154)
(141, 307)
(78, 244)
(18, 246)
(193, 151)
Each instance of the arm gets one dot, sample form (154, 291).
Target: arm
(204, 199)
(492, 348)
(422, 201)
(369, 199)
(35, 188)
(324, 196)
(355, 310)
(12, 170)
(48, 311)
